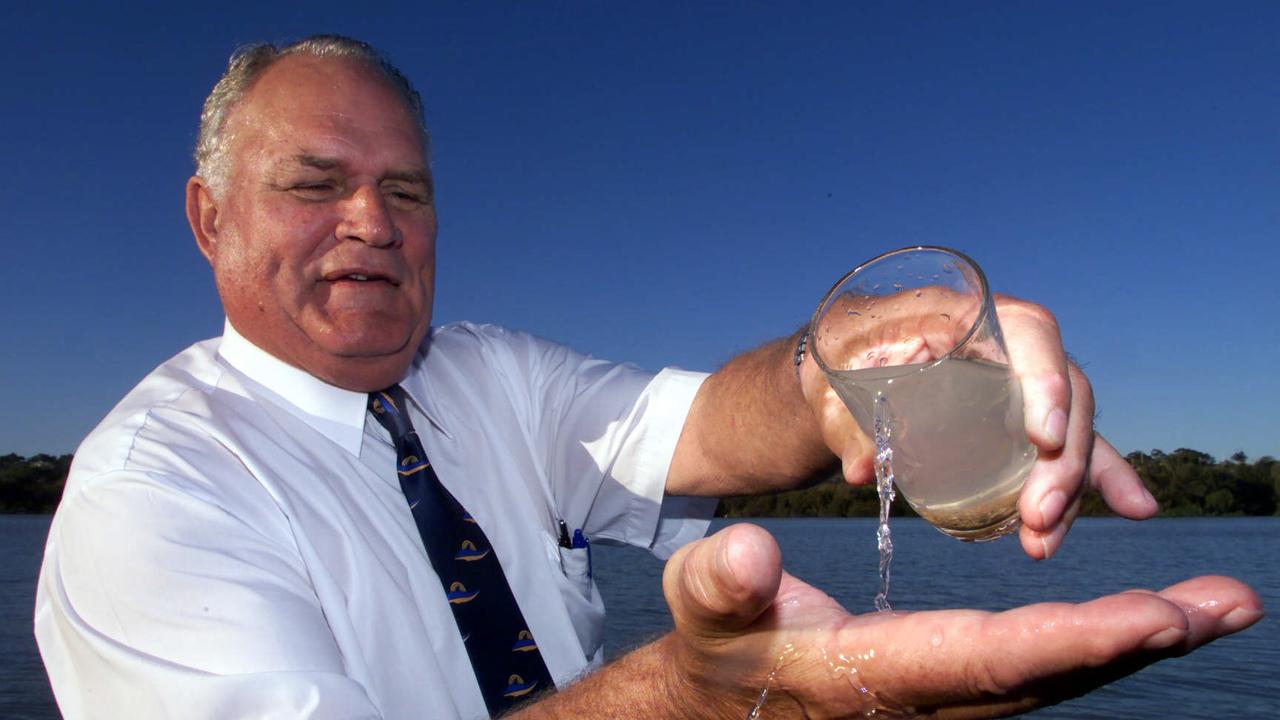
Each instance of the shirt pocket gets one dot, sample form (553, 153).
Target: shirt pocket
(576, 565)
(580, 596)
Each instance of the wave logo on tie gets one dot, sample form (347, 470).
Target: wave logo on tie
(384, 403)
(469, 553)
(517, 687)
(524, 642)
(411, 464)
(458, 594)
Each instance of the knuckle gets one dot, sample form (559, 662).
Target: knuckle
(1072, 466)
(1080, 384)
(1026, 311)
(989, 674)
(1055, 385)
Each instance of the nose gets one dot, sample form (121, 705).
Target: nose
(366, 218)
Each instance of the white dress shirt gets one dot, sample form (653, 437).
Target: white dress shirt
(233, 540)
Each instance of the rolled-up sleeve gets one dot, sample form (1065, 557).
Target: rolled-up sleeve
(612, 431)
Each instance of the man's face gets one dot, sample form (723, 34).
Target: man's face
(323, 240)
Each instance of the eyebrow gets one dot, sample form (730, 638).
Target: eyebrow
(317, 162)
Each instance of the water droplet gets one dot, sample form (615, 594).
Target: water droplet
(854, 312)
(948, 268)
(882, 361)
(897, 286)
(919, 293)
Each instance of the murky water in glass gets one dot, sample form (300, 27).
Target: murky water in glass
(960, 454)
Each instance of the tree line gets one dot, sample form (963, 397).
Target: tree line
(1185, 482)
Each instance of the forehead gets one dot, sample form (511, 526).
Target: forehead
(332, 107)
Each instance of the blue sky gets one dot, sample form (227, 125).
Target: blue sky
(674, 184)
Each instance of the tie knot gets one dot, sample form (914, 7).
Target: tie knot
(390, 408)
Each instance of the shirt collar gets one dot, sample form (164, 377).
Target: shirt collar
(336, 413)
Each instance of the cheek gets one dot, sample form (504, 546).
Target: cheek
(277, 243)
(420, 250)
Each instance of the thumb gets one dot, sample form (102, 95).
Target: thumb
(720, 585)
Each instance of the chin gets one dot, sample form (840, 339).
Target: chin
(368, 336)
(362, 373)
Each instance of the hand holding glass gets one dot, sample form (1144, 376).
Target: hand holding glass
(911, 338)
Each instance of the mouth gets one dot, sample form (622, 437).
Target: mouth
(360, 276)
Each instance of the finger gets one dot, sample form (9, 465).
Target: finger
(718, 586)
(1057, 478)
(1119, 484)
(839, 431)
(1038, 654)
(1214, 606)
(1038, 359)
(1042, 545)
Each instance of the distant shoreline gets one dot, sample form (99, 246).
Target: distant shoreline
(1186, 483)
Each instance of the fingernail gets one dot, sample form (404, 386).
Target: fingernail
(1051, 506)
(1167, 637)
(1238, 619)
(1055, 426)
(1044, 545)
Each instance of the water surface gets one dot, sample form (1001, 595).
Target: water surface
(1238, 676)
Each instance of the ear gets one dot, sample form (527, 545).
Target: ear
(202, 215)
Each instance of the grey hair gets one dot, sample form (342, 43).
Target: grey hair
(248, 63)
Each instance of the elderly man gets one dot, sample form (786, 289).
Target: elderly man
(336, 510)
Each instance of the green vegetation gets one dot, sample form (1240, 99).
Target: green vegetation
(1186, 482)
(32, 485)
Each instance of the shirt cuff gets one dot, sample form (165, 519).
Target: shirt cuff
(668, 522)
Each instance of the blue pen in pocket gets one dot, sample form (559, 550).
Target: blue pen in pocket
(580, 541)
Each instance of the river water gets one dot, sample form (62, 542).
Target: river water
(1235, 677)
(1238, 676)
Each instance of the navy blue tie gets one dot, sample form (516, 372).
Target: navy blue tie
(504, 656)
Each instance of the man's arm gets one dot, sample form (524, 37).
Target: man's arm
(761, 424)
(743, 624)
(751, 430)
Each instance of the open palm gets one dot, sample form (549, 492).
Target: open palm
(740, 620)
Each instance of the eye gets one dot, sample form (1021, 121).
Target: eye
(406, 198)
(314, 190)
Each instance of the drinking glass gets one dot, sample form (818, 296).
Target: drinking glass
(911, 344)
